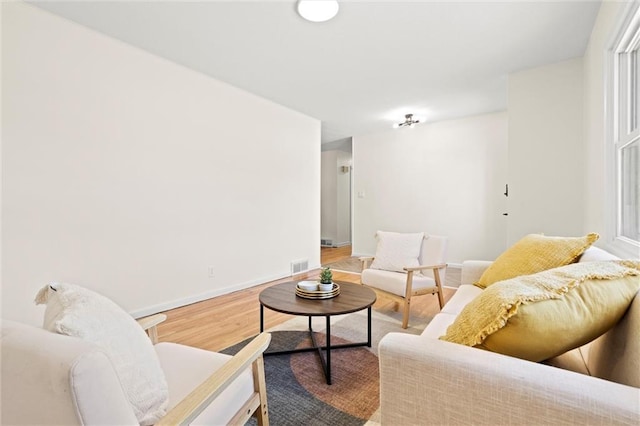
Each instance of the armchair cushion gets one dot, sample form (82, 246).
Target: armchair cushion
(535, 253)
(396, 251)
(76, 311)
(543, 315)
(185, 367)
(394, 282)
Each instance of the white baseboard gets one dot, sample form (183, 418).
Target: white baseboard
(161, 307)
(361, 255)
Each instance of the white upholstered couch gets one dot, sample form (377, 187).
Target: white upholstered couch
(428, 381)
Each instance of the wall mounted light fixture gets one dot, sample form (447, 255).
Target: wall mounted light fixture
(318, 10)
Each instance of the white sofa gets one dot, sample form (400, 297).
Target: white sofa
(427, 381)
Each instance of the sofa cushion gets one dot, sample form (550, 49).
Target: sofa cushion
(594, 253)
(573, 360)
(535, 253)
(543, 315)
(396, 251)
(615, 356)
(438, 325)
(76, 311)
(463, 295)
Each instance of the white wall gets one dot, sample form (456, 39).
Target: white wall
(336, 197)
(132, 175)
(546, 151)
(343, 195)
(445, 178)
(328, 199)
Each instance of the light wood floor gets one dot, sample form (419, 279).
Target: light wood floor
(220, 322)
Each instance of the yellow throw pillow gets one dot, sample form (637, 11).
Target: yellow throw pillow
(535, 253)
(540, 316)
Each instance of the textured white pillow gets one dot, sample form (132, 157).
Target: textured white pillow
(75, 311)
(396, 251)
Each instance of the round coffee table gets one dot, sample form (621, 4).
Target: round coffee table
(352, 298)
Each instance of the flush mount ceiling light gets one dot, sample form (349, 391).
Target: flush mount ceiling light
(318, 10)
(408, 122)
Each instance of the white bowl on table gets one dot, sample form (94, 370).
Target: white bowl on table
(308, 285)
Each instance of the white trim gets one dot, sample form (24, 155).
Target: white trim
(625, 33)
(622, 248)
(361, 255)
(162, 307)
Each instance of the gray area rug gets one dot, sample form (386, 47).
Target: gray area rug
(296, 387)
(351, 265)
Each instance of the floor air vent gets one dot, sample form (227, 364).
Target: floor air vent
(299, 266)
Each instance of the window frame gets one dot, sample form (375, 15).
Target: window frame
(627, 40)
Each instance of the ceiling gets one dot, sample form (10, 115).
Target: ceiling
(362, 71)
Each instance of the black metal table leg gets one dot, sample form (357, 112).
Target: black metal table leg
(369, 326)
(325, 357)
(328, 334)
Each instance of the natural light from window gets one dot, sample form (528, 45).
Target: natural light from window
(626, 138)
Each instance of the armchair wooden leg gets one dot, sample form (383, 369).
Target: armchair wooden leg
(407, 299)
(405, 313)
(262, 413)
(440, 298)
(436, 276)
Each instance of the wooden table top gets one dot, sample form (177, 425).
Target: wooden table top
(282, 298)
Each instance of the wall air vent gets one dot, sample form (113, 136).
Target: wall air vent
(299, 266)
(326, 243)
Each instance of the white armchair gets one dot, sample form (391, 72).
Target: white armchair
(53, 379)
(425, 278)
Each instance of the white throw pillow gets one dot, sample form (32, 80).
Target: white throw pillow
(396, 251)
(76, 311)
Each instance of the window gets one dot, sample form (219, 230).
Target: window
(626, 132)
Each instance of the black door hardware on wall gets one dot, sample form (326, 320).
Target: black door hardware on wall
(506, 194)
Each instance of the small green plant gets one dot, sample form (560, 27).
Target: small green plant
(326, 277)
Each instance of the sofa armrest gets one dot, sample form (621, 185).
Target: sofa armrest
(428, 381)
(472, 270)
